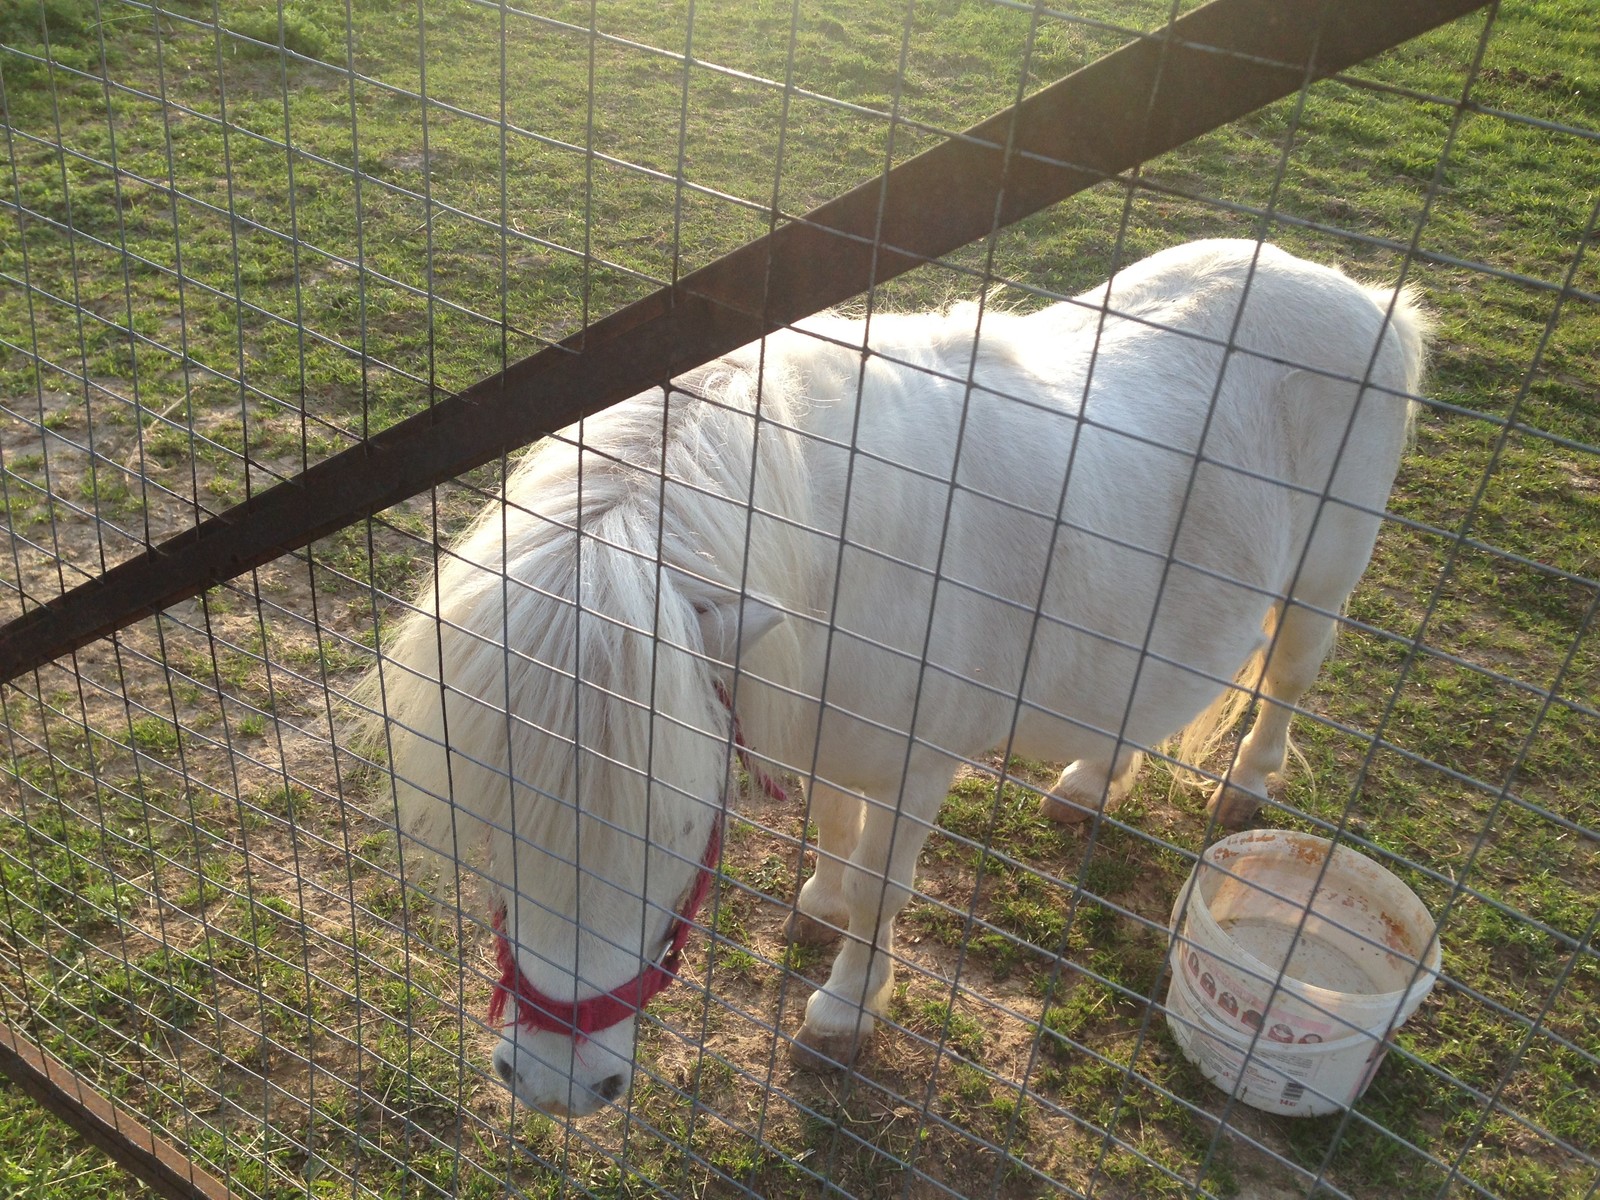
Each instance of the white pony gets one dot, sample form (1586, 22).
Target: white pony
(890, 546)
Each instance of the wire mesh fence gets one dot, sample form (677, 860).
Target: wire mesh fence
(242, 238)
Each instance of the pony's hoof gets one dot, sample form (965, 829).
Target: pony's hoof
(1067, 810)
(1233, 807)
(821, 1053)
(806, 930)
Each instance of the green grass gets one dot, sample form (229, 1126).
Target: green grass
(43, 1159)
(200, 910)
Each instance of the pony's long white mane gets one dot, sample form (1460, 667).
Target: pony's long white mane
(580, 604)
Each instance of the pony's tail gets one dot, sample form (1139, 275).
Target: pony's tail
(1198, 741)
(1412, 326)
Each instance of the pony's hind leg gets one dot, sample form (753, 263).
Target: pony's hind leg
(1089, 784)
(877, 882)
(821, 914)
(1304, 637)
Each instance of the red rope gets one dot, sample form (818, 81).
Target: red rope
(769, 785)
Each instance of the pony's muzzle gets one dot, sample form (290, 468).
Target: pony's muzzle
(537, 1083)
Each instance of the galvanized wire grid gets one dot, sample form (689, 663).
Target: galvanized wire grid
(215, 280)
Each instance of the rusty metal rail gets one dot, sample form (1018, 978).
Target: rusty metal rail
(1152, 95)
(156, 1163)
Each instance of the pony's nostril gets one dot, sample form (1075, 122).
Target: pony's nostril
(503, 1069)
(611, 1088)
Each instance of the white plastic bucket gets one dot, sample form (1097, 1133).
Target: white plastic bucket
(1291, 969)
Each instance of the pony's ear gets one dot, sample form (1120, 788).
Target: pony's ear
(732, 621)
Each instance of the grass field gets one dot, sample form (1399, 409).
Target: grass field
(233, 247)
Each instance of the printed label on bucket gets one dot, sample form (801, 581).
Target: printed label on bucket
(1237, 997)
(1304, 1079)
(1284, 1081)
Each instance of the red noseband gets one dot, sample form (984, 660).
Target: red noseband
(534, 1010)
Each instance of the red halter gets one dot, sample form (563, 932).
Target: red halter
(534, 1010)
(578, 1021)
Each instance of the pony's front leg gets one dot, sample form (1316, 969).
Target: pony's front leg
(843, 1012)
(821, 913)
